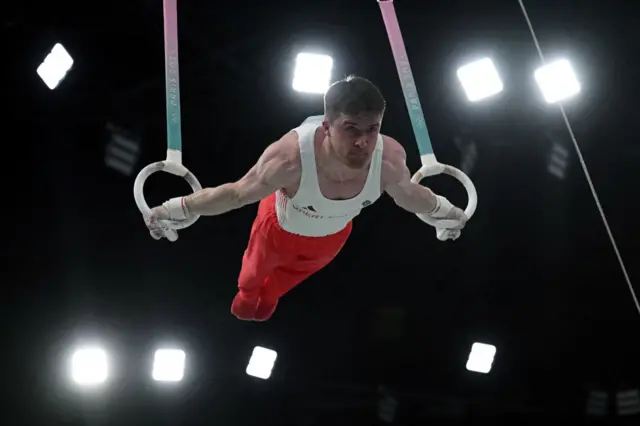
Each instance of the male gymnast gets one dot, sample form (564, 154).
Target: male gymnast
(311, 184)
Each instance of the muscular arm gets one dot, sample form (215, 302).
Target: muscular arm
(396, 181)
(277, 167)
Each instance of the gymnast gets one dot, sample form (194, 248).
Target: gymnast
(310, 185)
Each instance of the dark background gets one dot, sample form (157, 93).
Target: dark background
(534, 273)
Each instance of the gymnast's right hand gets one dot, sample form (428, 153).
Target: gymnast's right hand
(173, 209)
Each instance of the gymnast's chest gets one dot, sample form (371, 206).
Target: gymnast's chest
(340, 191)
(331, 198)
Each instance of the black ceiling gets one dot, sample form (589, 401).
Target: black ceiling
(534, 273)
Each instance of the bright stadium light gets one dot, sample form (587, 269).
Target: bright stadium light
(480, 79)
(261, 362)
(312, 73)
(481, 358)
(168, 365)
(557, 81)
(89, 366)
(55, 66)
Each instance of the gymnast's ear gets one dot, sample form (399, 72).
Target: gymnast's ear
(325, 126)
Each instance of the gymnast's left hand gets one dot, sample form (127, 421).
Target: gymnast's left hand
(447, 211)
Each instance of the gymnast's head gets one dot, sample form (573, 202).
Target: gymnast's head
(353, 111)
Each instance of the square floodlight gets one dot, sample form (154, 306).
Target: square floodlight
(168, 365)
(55, 66)
(261, 362)
(89, 366)
(481, 357)
(557, 81)
(312, 73)
(480, 79)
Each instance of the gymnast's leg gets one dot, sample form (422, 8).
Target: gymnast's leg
(312, 255)
(259, 261)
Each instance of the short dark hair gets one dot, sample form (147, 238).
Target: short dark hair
(353, 96)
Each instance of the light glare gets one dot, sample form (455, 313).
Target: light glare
(480, 79)
(89, 366)
(168, 365)
(557, 81)
(312, 73)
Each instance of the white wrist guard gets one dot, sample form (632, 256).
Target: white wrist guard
(442, 209)
(176, 208)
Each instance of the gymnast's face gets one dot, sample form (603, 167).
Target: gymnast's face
(353, 138)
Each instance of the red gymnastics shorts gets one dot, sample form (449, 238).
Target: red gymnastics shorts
(276, 261)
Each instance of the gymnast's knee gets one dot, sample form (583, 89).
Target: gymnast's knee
(252, 276)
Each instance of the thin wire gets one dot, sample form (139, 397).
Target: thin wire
(586, 172)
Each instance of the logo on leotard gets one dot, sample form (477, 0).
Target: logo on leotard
(311, 209)
(366, 203)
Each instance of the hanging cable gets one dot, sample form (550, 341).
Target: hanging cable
(586, 171)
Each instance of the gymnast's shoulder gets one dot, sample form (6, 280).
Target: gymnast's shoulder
(393, 153)
(283, 155)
